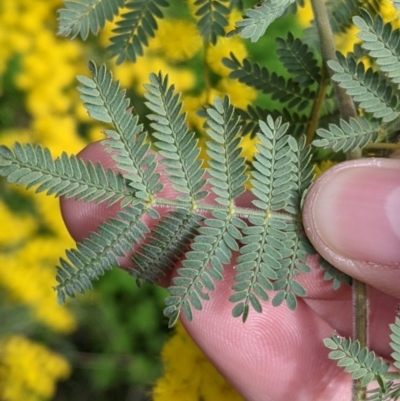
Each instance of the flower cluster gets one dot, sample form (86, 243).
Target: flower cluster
(189, 375)
(41, 68)
(41, 369)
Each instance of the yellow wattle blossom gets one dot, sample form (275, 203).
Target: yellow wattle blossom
(28, 370)
(177, 40)
(248, 145)
(389, 13)
(305, 14)
(32, 242)
(224, 46)
(322, 167)
(189, 375)
(14, 228)
(28, 273)
(240, 94)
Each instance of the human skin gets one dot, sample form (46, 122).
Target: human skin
(350, 217)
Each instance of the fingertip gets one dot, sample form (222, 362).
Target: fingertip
(351, 217)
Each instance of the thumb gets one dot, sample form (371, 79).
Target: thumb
(352, 217)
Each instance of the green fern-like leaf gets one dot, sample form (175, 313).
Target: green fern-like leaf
(391, 392)
(348, 136)
(297, 246)
(99, 252)
(202, 231)
(361, 363)
(65, 176)
(213, 18)
(258, 18)
(341, 12)
(285, 91)
(382, 43)
(168, 242)
(331, 273)
(298, 60)
(274, 248)
(79, 17)
(218, 237)
(369, 90)
(260, 257)
(249, 119)
(135, 28)
(395, 343)
(178, 148)
(106, 102)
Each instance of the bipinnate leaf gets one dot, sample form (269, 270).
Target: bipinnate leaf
(249, 119)
(258, 18)
(79, 17)
(395, 341)
(332, 273)
(348, 136)
(298, 60)
(167, 243)
(204, 233)
(381, 42)
(212, 18)
(361, 363)
(274, 249)
(387, 391)
(286, 91)
(227, 166)
(135, 28)
(371, 91)
(218, 236)
(177, 146)
(99, 252)
(130, 149)
(69, 176)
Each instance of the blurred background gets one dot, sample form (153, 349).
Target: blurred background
(108, 343)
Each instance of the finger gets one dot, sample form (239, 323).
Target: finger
(275, 356)
(351, 215)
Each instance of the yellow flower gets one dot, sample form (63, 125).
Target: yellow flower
(322, 167)
(248, 145)
(224, 46)
(177, 40)
(240, 94)
(389, 13)
(15, 228)
(183, 78)
(189, 375)
(191, 105)
(305, 14)
(29, 371)
(345, 41)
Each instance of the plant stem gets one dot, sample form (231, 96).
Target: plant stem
(388, 146)
(360, 329)
(346, 110)
(317, 106)
(328, 51)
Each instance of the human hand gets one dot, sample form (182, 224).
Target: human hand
(350, 216)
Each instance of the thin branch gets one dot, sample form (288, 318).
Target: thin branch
(346, 110)
(317, 106)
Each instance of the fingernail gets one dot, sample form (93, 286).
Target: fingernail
(354, 210)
